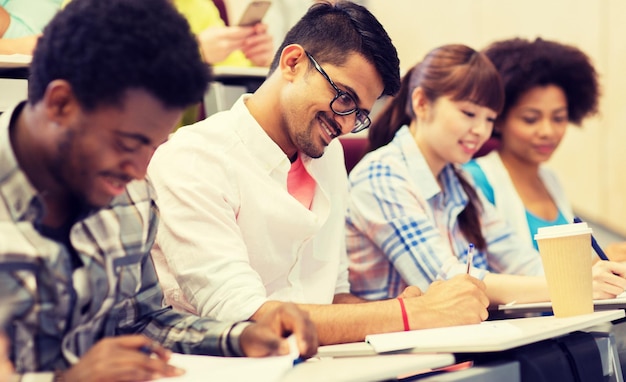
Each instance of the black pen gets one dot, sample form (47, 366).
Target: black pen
(594, 243)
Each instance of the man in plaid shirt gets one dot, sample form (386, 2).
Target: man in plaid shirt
(79, 297)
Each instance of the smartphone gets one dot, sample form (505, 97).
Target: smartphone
(254, 12)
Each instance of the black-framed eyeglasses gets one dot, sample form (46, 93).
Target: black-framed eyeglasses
(344, 103)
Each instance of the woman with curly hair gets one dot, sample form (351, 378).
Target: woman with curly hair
(547, 86)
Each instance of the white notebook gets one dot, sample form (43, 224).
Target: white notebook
(280, 369)
(371, 368)
(618, 302)
(488, 336)
(15, 60)
(207, 368)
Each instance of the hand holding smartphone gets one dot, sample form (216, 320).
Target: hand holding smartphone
(254, 13)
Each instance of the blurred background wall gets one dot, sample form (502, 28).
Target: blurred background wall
(591, 159)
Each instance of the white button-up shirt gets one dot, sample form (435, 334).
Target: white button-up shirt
(231, 237)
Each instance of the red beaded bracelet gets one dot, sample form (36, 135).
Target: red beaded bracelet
(405, 317)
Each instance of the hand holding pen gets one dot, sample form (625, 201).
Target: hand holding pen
(594, 243)
(609, 277)
(123, 358)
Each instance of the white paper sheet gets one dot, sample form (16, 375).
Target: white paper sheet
(227, 369)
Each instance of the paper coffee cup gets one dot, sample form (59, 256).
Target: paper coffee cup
(566, 255)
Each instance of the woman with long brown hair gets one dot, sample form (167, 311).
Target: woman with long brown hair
(413, 215)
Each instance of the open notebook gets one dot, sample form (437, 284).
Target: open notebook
(618, 302)
(281, 369)
(488, 336)
(208, 368)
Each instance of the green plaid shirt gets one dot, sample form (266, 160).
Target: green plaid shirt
(37, 295)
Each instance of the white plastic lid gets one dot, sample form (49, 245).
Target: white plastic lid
(562, 230)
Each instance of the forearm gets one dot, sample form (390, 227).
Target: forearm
(21, 45)
(348, 322)
(503, 288)
(347, 298)
(5, 20)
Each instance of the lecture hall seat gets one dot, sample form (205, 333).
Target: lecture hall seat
(353, 150)
(490, 144)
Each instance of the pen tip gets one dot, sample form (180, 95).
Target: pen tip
(471, 245)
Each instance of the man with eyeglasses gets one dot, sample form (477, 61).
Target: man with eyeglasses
(253, 199)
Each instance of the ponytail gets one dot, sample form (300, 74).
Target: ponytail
(469, 218)
(393, 116)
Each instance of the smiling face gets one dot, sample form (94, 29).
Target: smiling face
(309, 124)
(535, 125)
(100, 151)
(449, 131)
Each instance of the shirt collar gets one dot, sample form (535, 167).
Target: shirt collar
(420, 171)
(15, 188)
(416, 163)
(259, 144)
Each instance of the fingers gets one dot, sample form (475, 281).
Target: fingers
(463, 278)
(259, 49)
(458, 301)
(267, 336)
(234, 33)
(291, 319)
(608, 279)
(411, 291)
(260, 28)
(121, 359)
(261, 340)
(142, 344)
(218, 42)
(305, 332)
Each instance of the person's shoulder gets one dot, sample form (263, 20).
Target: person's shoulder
(550, 178)
(209, 137)
(547, 172)
(386, 161)
(473, 169)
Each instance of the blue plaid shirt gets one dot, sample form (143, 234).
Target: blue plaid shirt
(403, 229)
(47, 329)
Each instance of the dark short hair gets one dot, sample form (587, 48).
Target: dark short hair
(105, 47)
(332, 31)
(525, 64)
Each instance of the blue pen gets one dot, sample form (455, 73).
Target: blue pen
(298, 360)
(148, 349)
(470, 256)
(594, 243)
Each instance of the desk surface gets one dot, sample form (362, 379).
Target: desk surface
(15, 60)
(235, 71)
(539, 307)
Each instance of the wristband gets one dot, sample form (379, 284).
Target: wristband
(405, 317)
